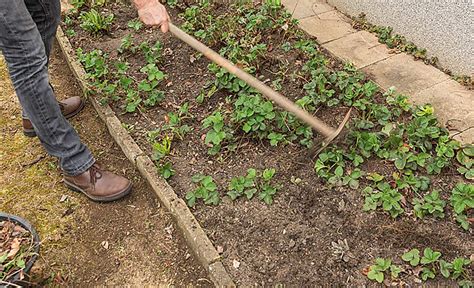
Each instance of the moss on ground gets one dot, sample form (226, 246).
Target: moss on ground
(30, 183)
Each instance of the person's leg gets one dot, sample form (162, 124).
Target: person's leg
(24, 51)
(46, 14)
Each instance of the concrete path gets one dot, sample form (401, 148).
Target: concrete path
(453, 103)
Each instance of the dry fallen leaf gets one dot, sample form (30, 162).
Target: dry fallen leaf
(366, 270)
(105, 244)
(236, 264)
(14, 248)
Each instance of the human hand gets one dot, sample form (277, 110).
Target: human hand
(153, 13)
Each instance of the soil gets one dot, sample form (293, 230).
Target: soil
(288, 242)
(133, 241)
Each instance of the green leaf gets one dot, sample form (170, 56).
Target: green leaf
(3, 257)
(375, 274)
(20, 263)
(430, 256)
(445, 268)
(191, 199)
(412, 256)
(339, 171)
(427, 273)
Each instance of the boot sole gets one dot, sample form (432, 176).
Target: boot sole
(31, 132)
(110, 198)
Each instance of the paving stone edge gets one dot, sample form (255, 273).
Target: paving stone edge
(192, 231)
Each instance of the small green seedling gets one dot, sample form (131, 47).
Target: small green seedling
(135, 24)
(166, 170)
(207, 191)
(161, 149)
(240, 186)
(430, 256)
(412, 256)
(376, 272)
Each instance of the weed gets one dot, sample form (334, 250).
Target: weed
(135, 24)
(161, 148)
(70, 33)
(126, 44)
(95, 22)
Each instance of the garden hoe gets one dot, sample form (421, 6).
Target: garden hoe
(328, 132)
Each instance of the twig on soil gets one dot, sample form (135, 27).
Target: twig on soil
(41, 157)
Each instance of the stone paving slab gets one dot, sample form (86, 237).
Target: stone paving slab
(453, 103)
(408, 76)
(361, 48)
(306, 8)
(327, 26)
(454, 107)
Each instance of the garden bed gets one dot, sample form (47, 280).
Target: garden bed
(301, 226)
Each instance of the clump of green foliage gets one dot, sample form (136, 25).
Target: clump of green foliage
(427, 265)
(95, 22)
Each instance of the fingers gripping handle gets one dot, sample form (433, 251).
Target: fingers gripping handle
(279, 99)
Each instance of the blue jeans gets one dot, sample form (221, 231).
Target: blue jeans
(27, 30)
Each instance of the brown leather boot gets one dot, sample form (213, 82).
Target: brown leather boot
(99, 185)
(69, 107)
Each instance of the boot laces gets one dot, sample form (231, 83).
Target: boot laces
(95, 173)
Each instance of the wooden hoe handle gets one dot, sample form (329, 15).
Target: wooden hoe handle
(279, 99)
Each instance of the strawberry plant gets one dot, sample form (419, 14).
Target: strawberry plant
(383, 196)
(166, 170)
(462, 200)
(412, 256)
(458, 269)
(207, 191)
(94, 22)
(94, 63)
(465, 157)
(251, 184)
(431, 204)
(152, 72)
(126, 44)
(152, 54)
(377, 271)
(253, 113)
(243, 185)
(217, 132)
(267, 191)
